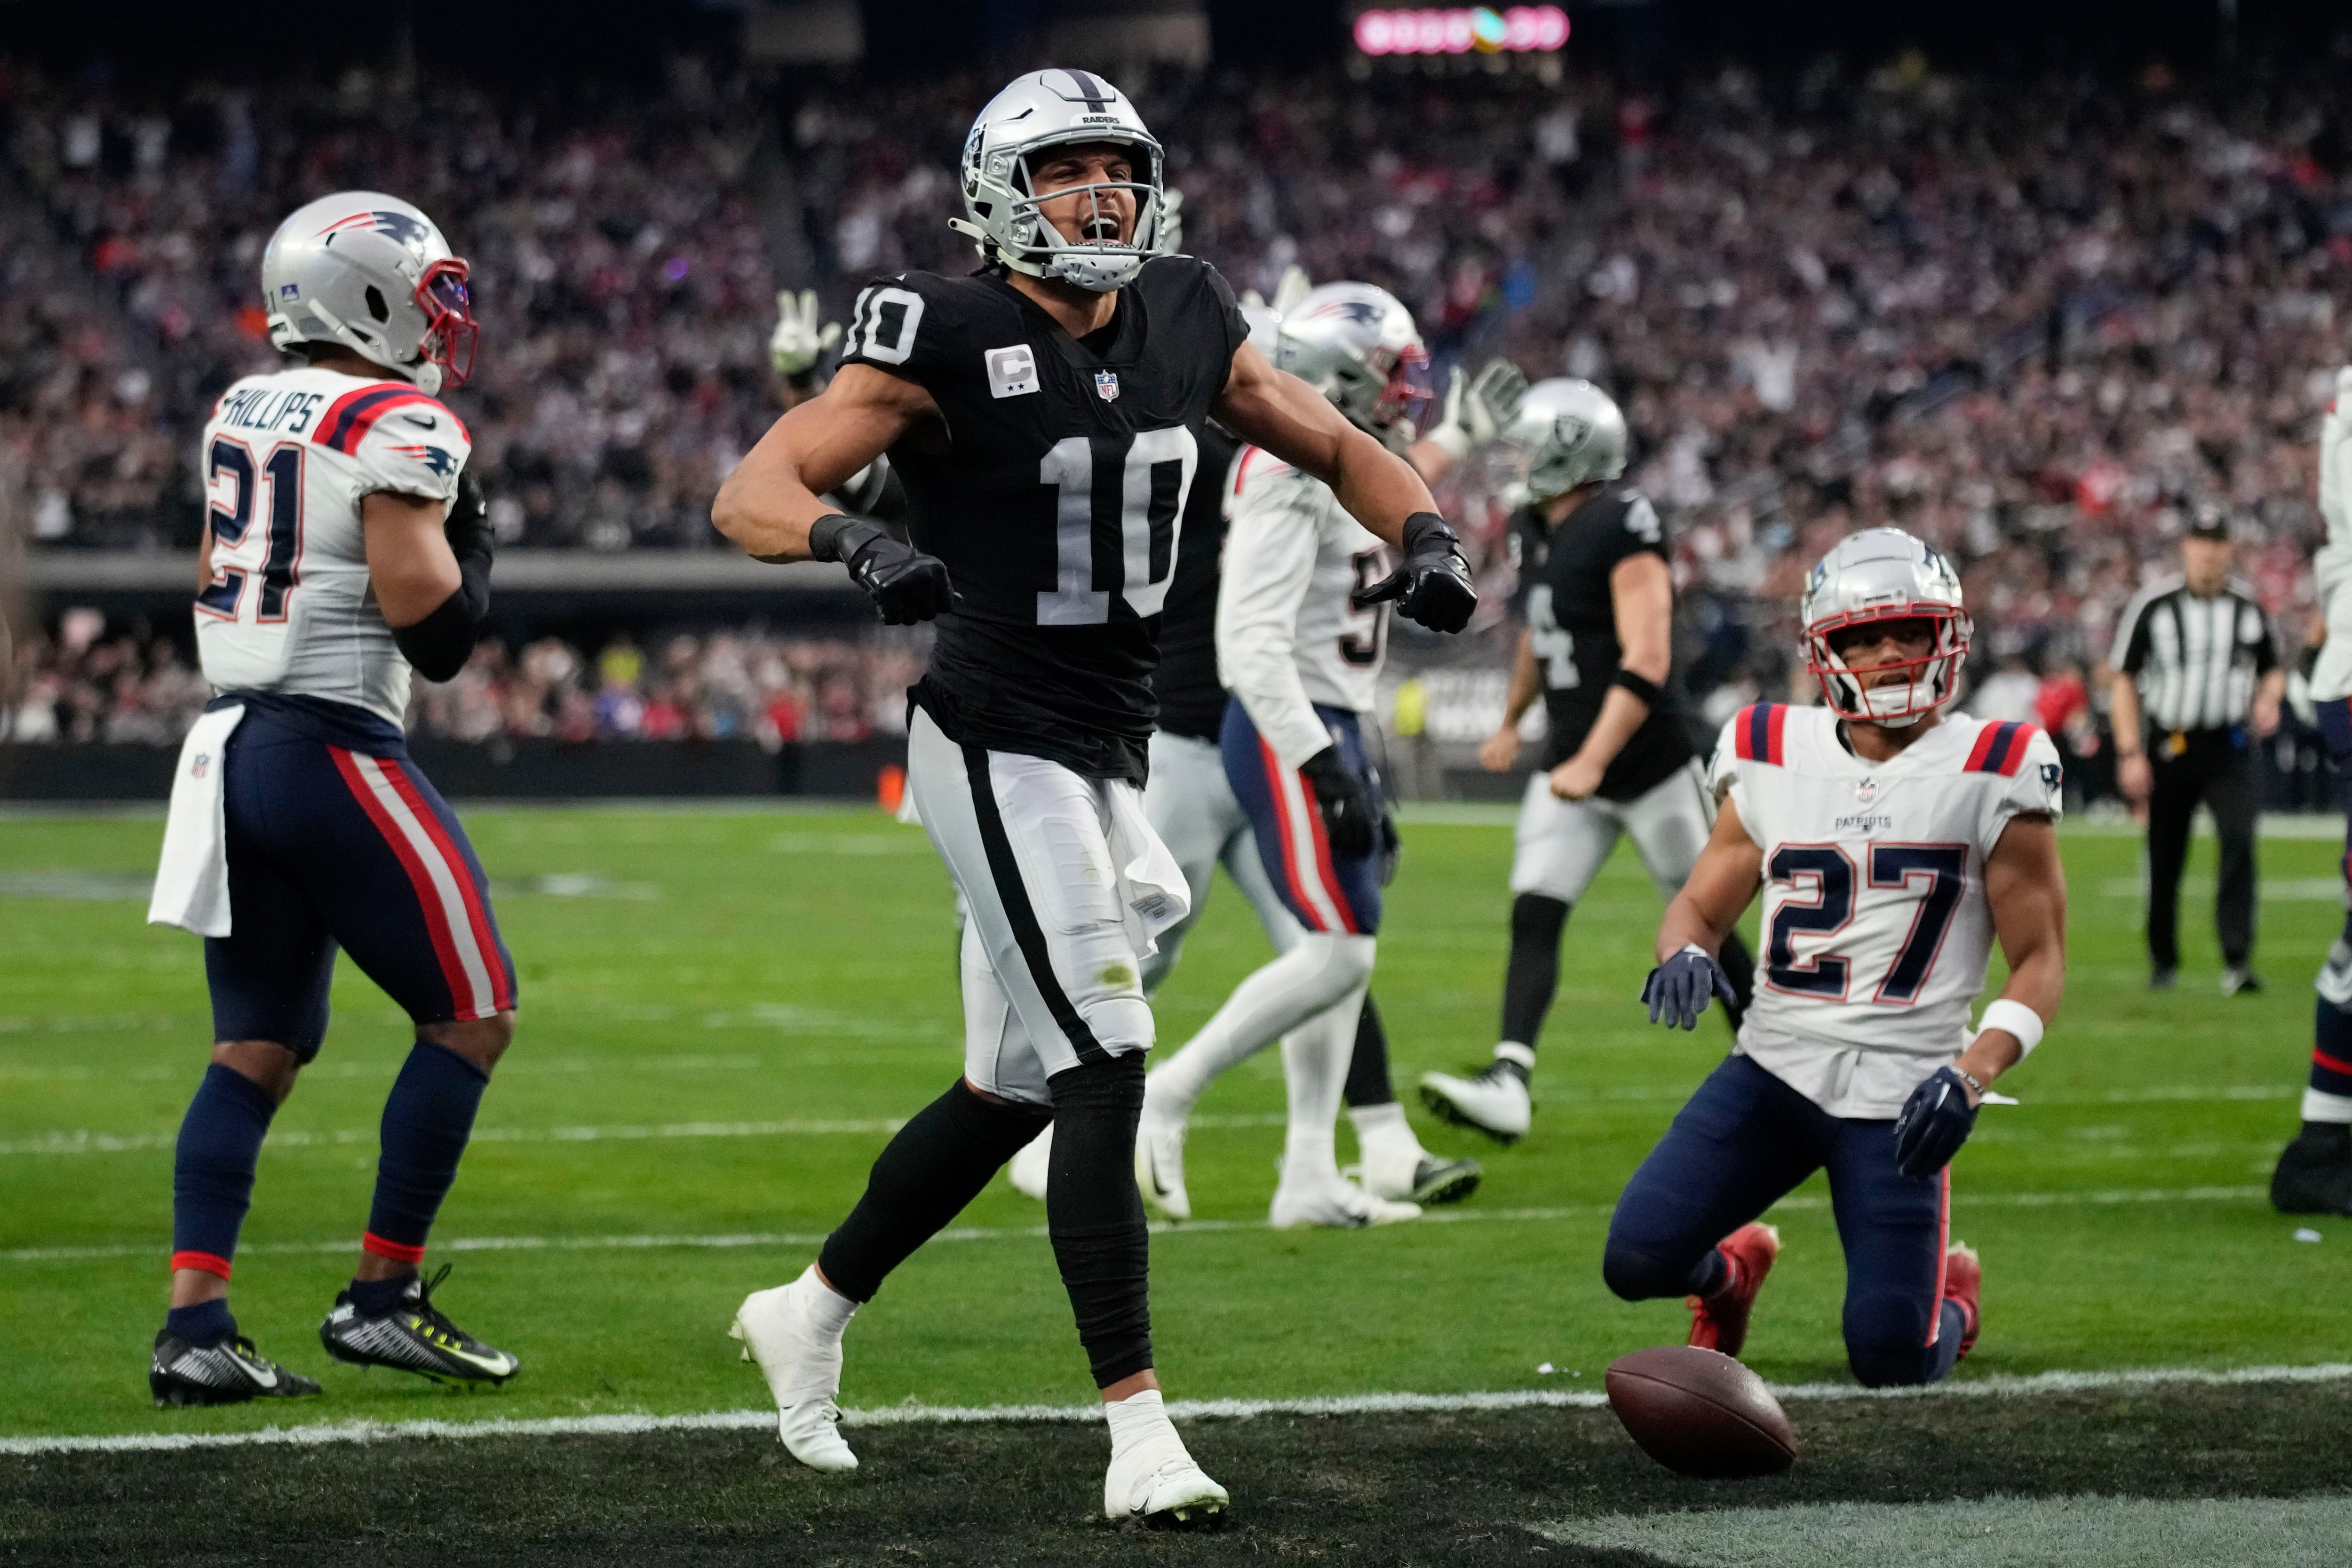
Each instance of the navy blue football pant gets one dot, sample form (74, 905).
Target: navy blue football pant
(1324, 891)
(2331, 1050)
(1743, 1141)
(331, 848)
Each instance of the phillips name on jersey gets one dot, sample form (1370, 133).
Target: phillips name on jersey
(1052, 488)
(1876, 930)
(286, 458)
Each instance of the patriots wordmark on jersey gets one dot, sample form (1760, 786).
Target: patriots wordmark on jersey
(1052, 486)
(1288, 633)
(1876, 924)
(288, 458)
(1571, 620)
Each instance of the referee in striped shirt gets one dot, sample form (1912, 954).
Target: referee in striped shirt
(2197, 679)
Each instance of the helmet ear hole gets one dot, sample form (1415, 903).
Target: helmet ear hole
(375, 304)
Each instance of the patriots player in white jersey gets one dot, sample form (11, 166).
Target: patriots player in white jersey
(1892, 844)
(344, 548)
(2314, 1170)
(1301, 657)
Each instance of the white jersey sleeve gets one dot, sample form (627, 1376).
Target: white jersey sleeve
(1288, 635)
(2333, 567)
(1876, 932)
(288, 459)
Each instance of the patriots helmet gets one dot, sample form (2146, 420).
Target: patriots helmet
(1033, 114)
(373, 273)
(1357, 345)
(1885, 574)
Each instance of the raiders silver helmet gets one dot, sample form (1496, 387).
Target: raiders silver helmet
(1572, 433)
(1357, 345)
(373, 274)
(1885, 574)
(1036, 112)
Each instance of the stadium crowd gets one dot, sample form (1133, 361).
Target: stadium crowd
(2037, 324)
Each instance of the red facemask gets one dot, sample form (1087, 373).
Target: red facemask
(1929, 680)
(451, 334)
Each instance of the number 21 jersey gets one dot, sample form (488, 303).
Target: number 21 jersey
(1052, 488)
(1876, 931)
(287, 461)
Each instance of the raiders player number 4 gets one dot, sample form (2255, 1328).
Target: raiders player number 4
(1045, 416)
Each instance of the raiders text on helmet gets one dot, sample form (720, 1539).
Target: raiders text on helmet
(371, 273)
(1046, 110)
(1885, 574)
(1572, 433)
(1357, 345)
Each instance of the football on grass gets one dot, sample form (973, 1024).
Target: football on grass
(1701, 1413)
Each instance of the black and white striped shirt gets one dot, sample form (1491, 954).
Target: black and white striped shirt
(2196, 661)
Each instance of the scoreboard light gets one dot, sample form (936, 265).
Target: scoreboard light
(1519, 29)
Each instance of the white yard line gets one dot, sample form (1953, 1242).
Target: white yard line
(1546, 1216)
(1995, 1386)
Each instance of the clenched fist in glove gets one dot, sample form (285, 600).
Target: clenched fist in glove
(905, 584)
(1936, 1120)
(1350, 819)
(1432, 588)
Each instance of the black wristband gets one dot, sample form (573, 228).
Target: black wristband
(439, 644)
(837, 536)
(1652, 696)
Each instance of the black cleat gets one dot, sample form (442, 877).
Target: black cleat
(1437, 1180)
(415, 1336)
(229, 1372)
(2314, 1176)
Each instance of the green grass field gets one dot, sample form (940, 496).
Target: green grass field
(724, 1012)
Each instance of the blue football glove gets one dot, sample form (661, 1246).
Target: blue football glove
(1936, 1120)
(1679, 989)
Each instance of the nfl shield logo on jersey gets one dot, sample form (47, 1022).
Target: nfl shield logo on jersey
(1106, 385)
(1865, 790)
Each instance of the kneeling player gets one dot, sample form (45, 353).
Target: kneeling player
(1892, 845)
(335, 562)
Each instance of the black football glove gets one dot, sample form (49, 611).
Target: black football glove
(1679, 989)
(1432, 588)
(1936, 1120)
(905, 584)
(1350, 819)
(468, 526)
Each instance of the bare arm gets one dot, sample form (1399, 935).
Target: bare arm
(2131, 762)
(1729, 870)
(2265, 719)
(776, 491)
(1501, 749)
(2026, 887)
(1642, 601)
(1276, 410)
(410, 566)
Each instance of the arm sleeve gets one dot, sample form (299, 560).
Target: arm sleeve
(1639, 531)
(1269, 565)
(1229, 314)
(2130, 649)
(413, 446)
(2037, 788)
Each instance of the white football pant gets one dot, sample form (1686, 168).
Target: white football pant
(1561, 845)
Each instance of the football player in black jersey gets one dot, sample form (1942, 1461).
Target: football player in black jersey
(1598, 601)
(1045, 416)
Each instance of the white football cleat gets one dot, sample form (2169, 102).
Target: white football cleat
(1495, 1101)
(1026, 1170)
(1158, 1485)
(801, 1359)
(1332, 1200)
(1159, 1163)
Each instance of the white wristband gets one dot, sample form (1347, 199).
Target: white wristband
(2016, 1018)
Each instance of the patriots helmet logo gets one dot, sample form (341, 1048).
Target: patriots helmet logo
(399, 227)
(1363, 313)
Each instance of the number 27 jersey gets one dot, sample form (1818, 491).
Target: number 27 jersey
(1876, 930)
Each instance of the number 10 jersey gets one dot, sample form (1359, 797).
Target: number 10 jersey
(287, 459)
(1876, 931)
(1053, 488)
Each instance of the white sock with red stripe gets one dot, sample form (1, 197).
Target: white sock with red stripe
(1317, 974)
(1315, 1067)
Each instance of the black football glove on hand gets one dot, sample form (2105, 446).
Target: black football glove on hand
(1432, 588)
(1936, 1120)
(905, 584)
(1351, 818)
(1679, 989)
